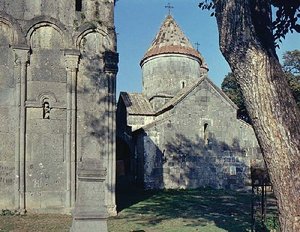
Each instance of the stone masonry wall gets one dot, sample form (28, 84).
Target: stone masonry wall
(8, 125)
(57, 100)
(171, 70)
(199, 143)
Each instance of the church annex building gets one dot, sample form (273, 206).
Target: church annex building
(182, 130)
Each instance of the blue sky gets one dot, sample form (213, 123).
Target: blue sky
(138, 21)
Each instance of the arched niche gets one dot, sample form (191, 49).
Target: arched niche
(10, 29)
(92, 41)
(46, 96)
(6, 34)
(47, 62)
(45, 36)
(92, 45)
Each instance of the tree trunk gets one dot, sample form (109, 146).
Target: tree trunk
(246, 42)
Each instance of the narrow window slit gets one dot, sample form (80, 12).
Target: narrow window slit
(206, 139)
(182, 84)
(46, 110)
(78, 6)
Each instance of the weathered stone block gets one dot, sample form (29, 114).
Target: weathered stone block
(7, 147)
(7, 97)
(53, 199)
(39, 89)
(47, 126)
(40, 146)
(33, 200)
(7, 176)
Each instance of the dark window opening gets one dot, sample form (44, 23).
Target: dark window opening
(78, 6)
(182, 84)
(46, 110)
(205, 137)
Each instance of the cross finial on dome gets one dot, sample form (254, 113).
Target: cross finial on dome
(197, 46)
(169, 6)
(170, 39)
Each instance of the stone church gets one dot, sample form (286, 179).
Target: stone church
(182, 131)
(57, 103)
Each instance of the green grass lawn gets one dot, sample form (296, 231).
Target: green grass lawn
(204, 210)
(183, 210)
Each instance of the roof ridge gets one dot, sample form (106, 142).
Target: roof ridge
(185, 91)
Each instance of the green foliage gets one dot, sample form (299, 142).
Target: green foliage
(233, 90)
(291, 62)
(286, 20)
(287, 15)
(271, 224)
(291, 66)
(294, 83)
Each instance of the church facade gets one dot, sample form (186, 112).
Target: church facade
(57, 102)
(182, 130)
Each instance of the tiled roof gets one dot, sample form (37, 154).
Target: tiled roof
(137, 103)
(171, 39)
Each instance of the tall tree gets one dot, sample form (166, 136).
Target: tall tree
(291, 66)
(247, 43)
(291, 62)
(233, 90)
(294, 83)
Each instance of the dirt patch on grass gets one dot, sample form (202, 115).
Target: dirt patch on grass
(36, 223)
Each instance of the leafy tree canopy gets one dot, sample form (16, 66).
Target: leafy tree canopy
(291, 65)
(287, 16)
(291, 62)
(232, 89)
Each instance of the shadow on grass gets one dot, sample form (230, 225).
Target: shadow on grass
(128, 194)
(228, 210)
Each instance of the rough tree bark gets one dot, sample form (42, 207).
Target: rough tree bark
(247, 44)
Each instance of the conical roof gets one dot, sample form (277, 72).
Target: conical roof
(171, 40)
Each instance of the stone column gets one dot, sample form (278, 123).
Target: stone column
(21, 62)
(90, 214)
(96, 165)
(111, 60)
(71, 62)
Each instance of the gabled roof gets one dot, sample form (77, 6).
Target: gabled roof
(179, 97)
(137, 104)
(185, 91)
(171, 39)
